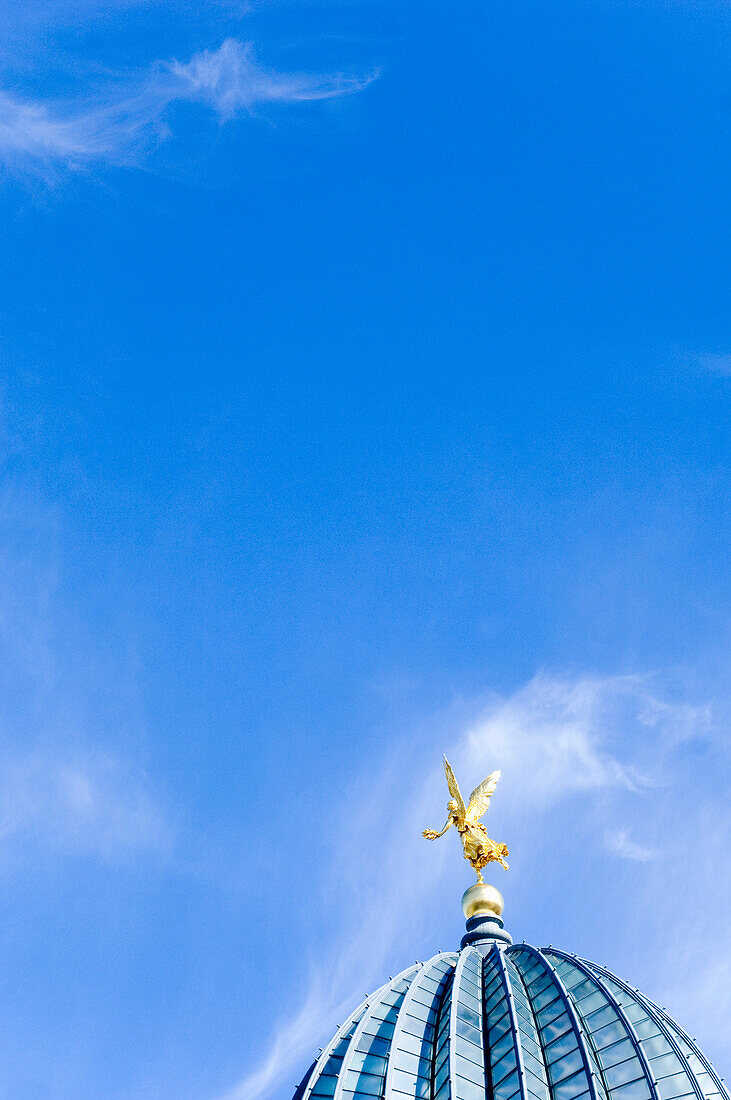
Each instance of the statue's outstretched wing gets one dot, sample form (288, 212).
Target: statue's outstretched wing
(454, 788)
(480, 797)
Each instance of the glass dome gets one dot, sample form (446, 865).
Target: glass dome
(503, 1021)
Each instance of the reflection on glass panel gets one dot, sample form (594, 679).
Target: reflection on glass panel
(708, 1081)
(533, 1064)
(440, 1063)
(637, 1090)
(563, 1051)
(414, 1042)
(324, 1086)
(365, 1066)
(570, 1087)
(609, 1034)
(469, 1059)
(671, 1074)
(501, 1052)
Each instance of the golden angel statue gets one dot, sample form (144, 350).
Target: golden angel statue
(478, 848)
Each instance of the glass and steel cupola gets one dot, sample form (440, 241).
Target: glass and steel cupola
(503, 1021)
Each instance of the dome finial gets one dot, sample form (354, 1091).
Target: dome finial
(482, 899)
(483, 907)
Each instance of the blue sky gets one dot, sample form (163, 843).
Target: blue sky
(363, 380)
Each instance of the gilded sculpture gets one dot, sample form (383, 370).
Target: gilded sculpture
(479, 849)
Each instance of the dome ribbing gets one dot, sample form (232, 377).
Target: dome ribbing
(497, 1022)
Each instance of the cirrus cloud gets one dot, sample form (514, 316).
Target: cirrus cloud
(130, 118)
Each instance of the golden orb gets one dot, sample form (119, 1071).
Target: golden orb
(482, 898)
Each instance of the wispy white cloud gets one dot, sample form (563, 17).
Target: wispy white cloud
(687, 901)
(553, 737)
(556, 739)
(317, 1011)
(621, 843)
(703, 362)
(120, 125)
(231, 80)
(715, 363)
(66, 785)
(77, 803)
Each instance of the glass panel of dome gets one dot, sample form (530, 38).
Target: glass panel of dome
(443, 1090)
(535, 1079)
(547, 997)
(507, 1088)
(610, 1034)
(408, 1063)
(498, 1014)
(622, 1074)
(570, 1087)
(590, 1003)
(569, 1064)
(637, 1090)
(531, 1064)
(671, 1087)
(386, 1013)
(325, 1087)
(552, 1010)
(581, 988)
(421, 1089)
(532, 1050)
(501, 1040)
(366, 1083)
(469, 1061)
(370, 1042)
(645, 1028)
(535, 1087)
(469, 976)
(471, 1071)
(467, 1047)
(655, 1045)
(369, 1063)
(441, 1075)
(441, 1064)
(423, 1010)
(409, 1044)
(557, 1048)
(558, 1026)
(596, 1020)
(469, 1090)
(506, 1043)
(617, 1052)
(470, 1016)
(698, 1063)
(666, 1064)
(506, 1065)
(368, 1087)
(500, 1035)
(379, 1045)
